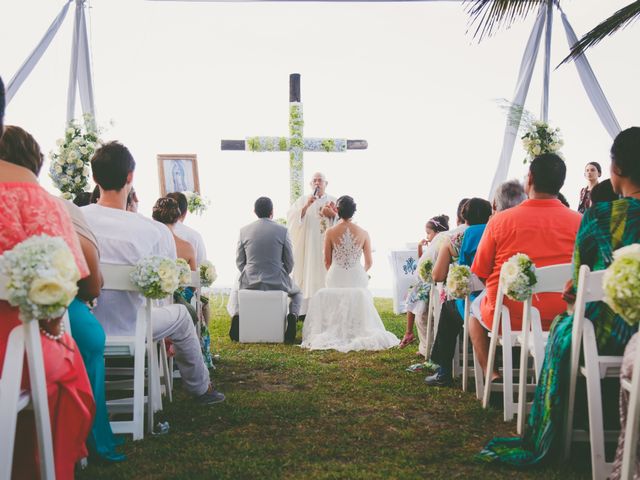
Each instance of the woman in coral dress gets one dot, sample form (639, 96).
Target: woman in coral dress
(26, 209)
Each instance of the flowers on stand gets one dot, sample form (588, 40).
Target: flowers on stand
(196, 203)
(208, 273)
(518, 277)
(621, 283)
(156, 277)
(69, 167)
(424, 270)
(459, 281)
(42, 277)
(540, 138)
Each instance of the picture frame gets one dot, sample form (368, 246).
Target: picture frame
(178, 172)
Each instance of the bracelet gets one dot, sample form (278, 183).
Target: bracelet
(55, 338)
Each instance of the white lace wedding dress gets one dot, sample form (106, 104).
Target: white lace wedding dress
(342, 316)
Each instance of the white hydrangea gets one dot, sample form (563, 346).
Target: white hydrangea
(208, 273)
(156, 277)
(518, 277)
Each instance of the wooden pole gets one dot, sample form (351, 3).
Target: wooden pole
(294, 88)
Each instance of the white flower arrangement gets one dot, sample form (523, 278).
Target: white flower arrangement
(283, 144)
(296, 149)
(424, 270)
(541, 138)
(156, 277)
(281, 221)
(70, 167)
(184, 271)
(42, 276)
(621, 283)
(518, 277)
(459, 281)
(196, 203)
(208, 273)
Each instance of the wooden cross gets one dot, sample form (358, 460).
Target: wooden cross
(295, 144)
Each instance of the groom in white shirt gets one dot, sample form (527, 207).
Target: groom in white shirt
(124, 238)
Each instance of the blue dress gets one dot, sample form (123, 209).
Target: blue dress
(470, 242)
(90, 338)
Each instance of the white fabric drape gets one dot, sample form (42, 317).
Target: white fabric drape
(544, 110)
(80, 71)
(522, 88)
(33, 59)
(591, 85)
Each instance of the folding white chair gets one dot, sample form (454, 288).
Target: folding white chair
(596, 367)
(464, 367)
(533, 340)
(12, 400)
(633, 420)
(117, 277)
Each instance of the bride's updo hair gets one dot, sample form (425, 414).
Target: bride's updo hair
(166, 211)
(346, 207)
(439, 223)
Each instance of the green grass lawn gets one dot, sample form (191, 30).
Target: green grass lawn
(291, 413)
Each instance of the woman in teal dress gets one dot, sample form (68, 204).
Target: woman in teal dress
(605, 227)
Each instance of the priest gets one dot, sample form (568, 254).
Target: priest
(308, 218)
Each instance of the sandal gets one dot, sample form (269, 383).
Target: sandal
(407, 339)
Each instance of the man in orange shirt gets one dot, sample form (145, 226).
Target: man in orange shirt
(541, 227)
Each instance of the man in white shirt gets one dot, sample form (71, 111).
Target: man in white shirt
(125, 238)
(188, 233)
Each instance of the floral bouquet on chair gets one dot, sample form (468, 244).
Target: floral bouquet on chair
(518, 277)
(621, 283)
(196, 203)
(208, 273)
(424, 270)
(184, 272)
(156, 277)
(42, 277)
(459, 281)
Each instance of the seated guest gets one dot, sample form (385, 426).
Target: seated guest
(540, 227)
(20, 148)
(265, 260)
(507, 195)
(166, 211)
(125, 238)
(418, 295)
(603, 192)
(82, 199)
(188, 233)
(605, 227)
(132, 201)
(476, 212)
(26, 210)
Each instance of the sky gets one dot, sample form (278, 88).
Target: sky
(177, 77)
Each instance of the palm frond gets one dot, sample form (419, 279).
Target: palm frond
(622, 18)
(488, 16)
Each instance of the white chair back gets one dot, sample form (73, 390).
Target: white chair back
(632, 428)
(12, 400)
(118, 277)
(550, 279)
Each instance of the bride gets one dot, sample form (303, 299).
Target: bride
(342, 316)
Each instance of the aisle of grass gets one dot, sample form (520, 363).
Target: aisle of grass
(320, 415)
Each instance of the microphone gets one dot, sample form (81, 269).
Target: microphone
(315, 192)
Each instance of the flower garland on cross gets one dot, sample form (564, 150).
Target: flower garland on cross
(295, 144)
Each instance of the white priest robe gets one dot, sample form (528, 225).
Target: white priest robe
(307, 236)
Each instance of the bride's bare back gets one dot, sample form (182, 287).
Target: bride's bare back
(334, 235)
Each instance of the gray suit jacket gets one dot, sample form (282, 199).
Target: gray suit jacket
(265, 257)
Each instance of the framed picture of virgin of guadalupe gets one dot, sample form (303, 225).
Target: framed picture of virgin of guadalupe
(178, 173)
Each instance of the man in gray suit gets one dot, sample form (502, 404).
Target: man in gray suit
(265, 261)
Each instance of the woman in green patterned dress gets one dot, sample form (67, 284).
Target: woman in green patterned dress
(605, 227)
